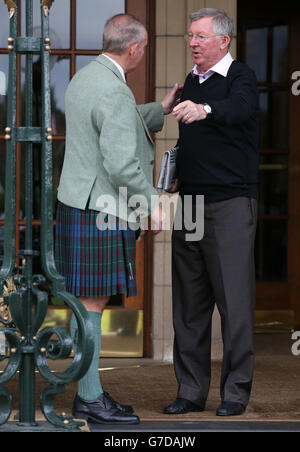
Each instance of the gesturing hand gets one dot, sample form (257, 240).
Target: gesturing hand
(174, 188)
(172, 98)
(158, 218)
(188, 112)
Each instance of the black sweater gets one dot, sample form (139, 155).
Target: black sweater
(219, 155)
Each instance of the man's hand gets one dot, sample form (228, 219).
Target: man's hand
(174, 188)
(189, 112)
(158, 218)
(172, 99)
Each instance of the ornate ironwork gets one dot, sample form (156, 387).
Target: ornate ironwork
(29, 345)
(8, 287)
(11, 7)
(46, 4)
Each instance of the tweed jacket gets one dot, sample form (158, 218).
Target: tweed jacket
(108, 143)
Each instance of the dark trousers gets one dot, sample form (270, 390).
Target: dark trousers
(219, 269)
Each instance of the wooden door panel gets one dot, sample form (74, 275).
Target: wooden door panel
(268, 15)
(294, 175)
(140, 83)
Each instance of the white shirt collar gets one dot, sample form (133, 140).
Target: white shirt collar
(221, 67)
(120, 69)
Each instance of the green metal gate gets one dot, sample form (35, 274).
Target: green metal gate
(28, 346)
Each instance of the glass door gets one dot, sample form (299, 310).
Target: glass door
(76, 28)
(266, 38)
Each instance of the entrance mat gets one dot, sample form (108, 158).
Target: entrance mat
(201, 426)
(149, 387)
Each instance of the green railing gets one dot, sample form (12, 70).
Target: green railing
(28, 346)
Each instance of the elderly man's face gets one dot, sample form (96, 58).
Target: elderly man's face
(206, 48)
(137, 55)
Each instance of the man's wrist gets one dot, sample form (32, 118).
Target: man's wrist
(166, 109)
(202, 112)
(207, 109)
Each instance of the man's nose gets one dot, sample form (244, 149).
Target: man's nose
(194, 42)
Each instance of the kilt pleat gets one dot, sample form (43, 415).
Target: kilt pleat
(94, 263)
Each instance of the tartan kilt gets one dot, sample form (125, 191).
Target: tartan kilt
(95, 263)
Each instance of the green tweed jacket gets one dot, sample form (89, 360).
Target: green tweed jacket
(108, 143)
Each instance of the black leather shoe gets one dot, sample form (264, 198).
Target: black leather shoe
(182, 406)
(230, 409)
(124, 408)
(102, 411)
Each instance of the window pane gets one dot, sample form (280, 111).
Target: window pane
(37, 270)
(60, 74)
(258, 257)
(36, 181)
(36, 94)
(274, 240)
(274, 117)
(91, 18)
(280, 62)
(58, 160)
(257, 52)
(273, 185)
(60, 70)
(58, 151)
(2, 178)
(3, 111)
(3, 68)
(1, 244)
(271, 251)
(83, 60)
(59, 22)
(4, 25)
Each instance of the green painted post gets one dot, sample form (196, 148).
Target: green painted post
(29, 346)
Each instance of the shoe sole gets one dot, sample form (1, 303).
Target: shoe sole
(229, 414)
(186, 412)
(89, 418)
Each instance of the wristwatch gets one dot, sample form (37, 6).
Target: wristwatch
(207, 109)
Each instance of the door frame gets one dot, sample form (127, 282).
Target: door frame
(286, 294)
(144, 92)
(145, 11)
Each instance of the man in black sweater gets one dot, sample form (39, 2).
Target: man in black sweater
(218, 158)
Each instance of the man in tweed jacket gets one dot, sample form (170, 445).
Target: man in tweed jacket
(108, 146)
(108, 142)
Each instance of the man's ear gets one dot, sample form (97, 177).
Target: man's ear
(132, 49)
(225, 40)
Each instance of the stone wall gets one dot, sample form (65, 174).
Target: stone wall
(173, 62)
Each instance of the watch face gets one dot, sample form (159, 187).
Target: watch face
(207, 108)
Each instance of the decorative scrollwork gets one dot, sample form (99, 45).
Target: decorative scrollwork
(11, 6)
(9, 372)
(55, 343)
(25, 296)
(5, 405)
(47, 404)
(46, 4)
(5, 314)
(59, 348)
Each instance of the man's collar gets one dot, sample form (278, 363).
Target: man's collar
(221, 67)
(120, 69)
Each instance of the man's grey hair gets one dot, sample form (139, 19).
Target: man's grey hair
(222, 23)
(120, 32)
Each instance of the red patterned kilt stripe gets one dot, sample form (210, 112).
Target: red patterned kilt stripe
(94, 263)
